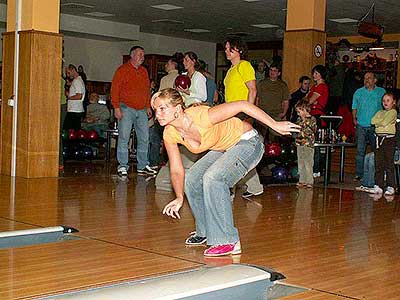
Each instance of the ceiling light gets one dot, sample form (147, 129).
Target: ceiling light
(264, 26)
(166, 7)
(167, 21)
(196, 30)
(240, 33)
(99, 14)
(251, 0)
(76, 5)
(343, 20)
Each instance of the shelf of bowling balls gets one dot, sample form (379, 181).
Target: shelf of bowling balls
(279, 163)
(81, 144)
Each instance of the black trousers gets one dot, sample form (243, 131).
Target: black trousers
(384, 162)
(73, 120)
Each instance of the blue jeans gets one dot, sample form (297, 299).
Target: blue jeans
(363, 135)
(156, 133)
(207, 185)
(137, 118)
(368, 178)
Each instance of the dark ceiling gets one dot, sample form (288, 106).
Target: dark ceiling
(225, 17)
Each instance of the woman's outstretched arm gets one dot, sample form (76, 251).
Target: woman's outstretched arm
(220, 113)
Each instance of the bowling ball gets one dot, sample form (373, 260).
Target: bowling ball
(64, 134)
(95, 151)
(72, 134)
(272, 150)
(81, 134)
(182, 81)
(87, 152)
(92, 135)
(76, 152)
(294, 172)
(280, 174)
(289, 151)
(66, 152)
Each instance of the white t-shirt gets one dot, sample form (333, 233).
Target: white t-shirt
(77, 87)
(198, 90)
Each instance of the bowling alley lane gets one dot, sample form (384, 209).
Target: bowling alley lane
(73, 265)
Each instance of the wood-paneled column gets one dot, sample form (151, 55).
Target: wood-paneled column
(304, 40)
(39, 90)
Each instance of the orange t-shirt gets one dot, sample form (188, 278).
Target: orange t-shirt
(131, 86)
(217, 137)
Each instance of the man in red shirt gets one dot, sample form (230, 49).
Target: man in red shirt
(130, 96)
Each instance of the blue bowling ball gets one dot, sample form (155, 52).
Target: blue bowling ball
(87, 152)
(76, 152)
(66, 152)
(280, 174)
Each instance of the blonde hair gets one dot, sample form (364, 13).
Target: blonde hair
(172, 96)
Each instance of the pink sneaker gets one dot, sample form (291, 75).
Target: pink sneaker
(220, 250)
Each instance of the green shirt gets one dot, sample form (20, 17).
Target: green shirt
(63, 97)
(271, 94)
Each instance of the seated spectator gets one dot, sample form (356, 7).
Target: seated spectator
(97, 116)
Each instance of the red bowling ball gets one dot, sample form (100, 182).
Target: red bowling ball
(272, 150)
(72, 134)
(92, 135)
(182, 81)
(81, 134)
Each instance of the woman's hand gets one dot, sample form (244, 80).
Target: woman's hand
(285, 127)
(172, 208)
(186, 91)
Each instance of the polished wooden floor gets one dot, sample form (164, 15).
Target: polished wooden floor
(338, 243)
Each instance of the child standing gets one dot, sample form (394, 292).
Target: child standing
(385, 132)
(305, 143)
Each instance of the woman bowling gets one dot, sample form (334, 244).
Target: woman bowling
(234, 147)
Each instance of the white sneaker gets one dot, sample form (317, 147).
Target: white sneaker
(122, 171)
(389, 198)
(389, 191)
(362, 188)
(376, 190)
(316, 175)
(375, 197)
(147, 170)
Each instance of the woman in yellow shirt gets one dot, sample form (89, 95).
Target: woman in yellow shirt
(234, 147)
